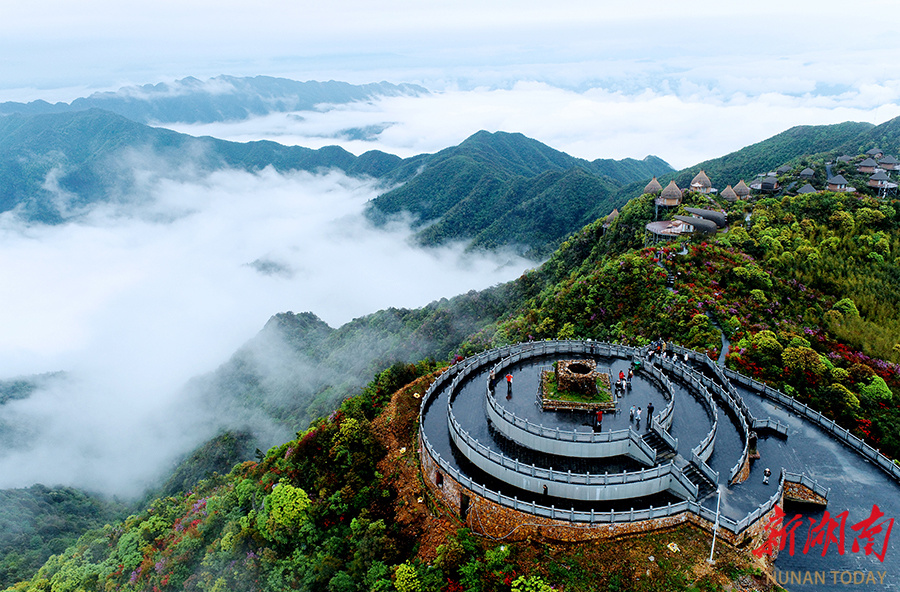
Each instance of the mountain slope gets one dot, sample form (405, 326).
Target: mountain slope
(769, 154)
(492, 190)
(54, 166)
(223, 98)
(497, 189)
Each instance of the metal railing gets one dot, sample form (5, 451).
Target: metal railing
(829, 425)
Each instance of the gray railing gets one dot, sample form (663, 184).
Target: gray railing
(664, 434)
(571, 443)
(566, 484)
(704, 468)
(770, 424)
(662, 381)
(829, 425)
(550, 439)
(697, 384)
(732, 400)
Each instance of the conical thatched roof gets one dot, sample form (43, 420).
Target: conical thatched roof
(671, 191)
(838, 180)
(844, 158)
(879, 176)
(869, 162)
(874, 152)
(807, 172)
(741, 190)
(653, 186)
(807, 189)
(701, 180)
(888, 160)
(729, 194)
(783, 169)
(611, 217)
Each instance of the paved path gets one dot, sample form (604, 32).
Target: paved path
(855, 484)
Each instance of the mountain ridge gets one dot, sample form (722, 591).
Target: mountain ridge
(222, 98)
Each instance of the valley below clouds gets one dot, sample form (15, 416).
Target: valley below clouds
(131, 299)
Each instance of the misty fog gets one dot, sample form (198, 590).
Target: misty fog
(133, 298)
(683, 128)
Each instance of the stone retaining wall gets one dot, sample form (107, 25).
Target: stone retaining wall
(797, 492)
(744, 473)
(491, 519)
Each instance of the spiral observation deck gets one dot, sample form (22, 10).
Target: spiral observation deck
(483, 447)
(500, 440)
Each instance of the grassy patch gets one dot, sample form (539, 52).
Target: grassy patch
(551, 390)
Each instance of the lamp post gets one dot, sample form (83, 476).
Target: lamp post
(712, 549)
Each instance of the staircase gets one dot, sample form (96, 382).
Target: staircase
(664, 452)
(705, 486)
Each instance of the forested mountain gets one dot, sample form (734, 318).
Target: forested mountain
(223, 98)
(506, 189)
(492, 190)
(806, 294)
(52, 167)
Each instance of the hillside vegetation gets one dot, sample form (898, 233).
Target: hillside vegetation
(805, 292)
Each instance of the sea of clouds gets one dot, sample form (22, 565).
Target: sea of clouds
(134, 298)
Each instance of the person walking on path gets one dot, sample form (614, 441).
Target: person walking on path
(649, 412)
(508, 385)
(766, 474)
(631, 414)
(637, 415)
(599, 419)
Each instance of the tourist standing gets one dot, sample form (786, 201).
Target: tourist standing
(508, 385)
(637, 415)
(649, 412)
(631, 414)
(599, 419)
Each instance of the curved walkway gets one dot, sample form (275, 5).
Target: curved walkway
(855, 484)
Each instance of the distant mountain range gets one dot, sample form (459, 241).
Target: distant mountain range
(492, 190)
(223, 98)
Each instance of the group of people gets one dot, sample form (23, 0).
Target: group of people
(623, 385)
(661, 348)
(635, 414)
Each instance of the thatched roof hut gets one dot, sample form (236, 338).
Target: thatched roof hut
(670, 196)
(701, 183)
(741, 190)
(729, 194)
(653, 186)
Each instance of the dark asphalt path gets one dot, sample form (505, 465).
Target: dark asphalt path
(854, 483)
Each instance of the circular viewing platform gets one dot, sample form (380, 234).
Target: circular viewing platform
(659, 447)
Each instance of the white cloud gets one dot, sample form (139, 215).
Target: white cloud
(132, 301)
(597, 123)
